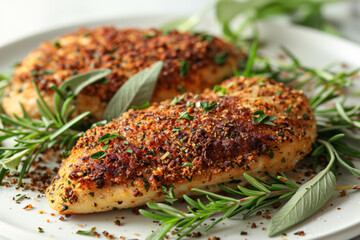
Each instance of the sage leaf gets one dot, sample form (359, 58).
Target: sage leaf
(77, 83)
(136, 91)
(309, 198)
(11, 163)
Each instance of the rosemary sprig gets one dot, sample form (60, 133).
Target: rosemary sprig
(263, 194)
(33, 136)
(334, 126)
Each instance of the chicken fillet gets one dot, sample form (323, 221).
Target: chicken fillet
(191, 141)
(191, 61)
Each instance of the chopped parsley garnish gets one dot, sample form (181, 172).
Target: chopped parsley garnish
(57, 44)
(220, 89)
(207, 37)
(168, 191)
(207, 107)
(109, 136)
(129, 150)
(90, 232)
(176, 130)
(263, 118)
(86, 35)
(146, 184)
(105, 147)
(91, 194)
(98, 155)
(261, 83)
(48, 71)
(149, 35)
(166, 31)
(184, 68)
(220, 58)
(34, 73)
(15, 64)
(287, 112)
(20, 197)
(99, 123)
(181, 88)
(279, 93)
(96, 56)
(145, 105)
(65, 154)
(186, 115)
(187, 164)
(126, 142)
(176, 99)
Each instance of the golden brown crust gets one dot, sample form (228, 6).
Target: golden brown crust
(126, 52)
(217, 146)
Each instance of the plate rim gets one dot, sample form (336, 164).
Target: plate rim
(10, 229)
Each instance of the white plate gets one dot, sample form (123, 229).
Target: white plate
(312, 47)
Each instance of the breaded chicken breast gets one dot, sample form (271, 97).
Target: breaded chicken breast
(190, 141)
(191, 61)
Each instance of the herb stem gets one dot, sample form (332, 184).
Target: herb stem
(347, 187)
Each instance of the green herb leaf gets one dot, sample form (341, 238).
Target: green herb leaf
(177, 100)
(145, 105)
(184, 68)
(98, 155)
(309, 198)
(187, 164)
(287, 112)
(149, 35)
(20, 197)
(137, 90)
(109, 136)
(207, 107)
(222, 91)
(181, 88)
(185, 115)
(263, 118)
(57, 44)
(207, 37)
(90, 232)
(176, 130)
(168, 191)
(220, 58)
(77, 83)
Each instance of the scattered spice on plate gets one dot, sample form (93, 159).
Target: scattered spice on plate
(108, 235)
(300, 233)
(28, 207)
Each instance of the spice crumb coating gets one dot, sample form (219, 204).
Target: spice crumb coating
(126, 52)
(185, 144)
